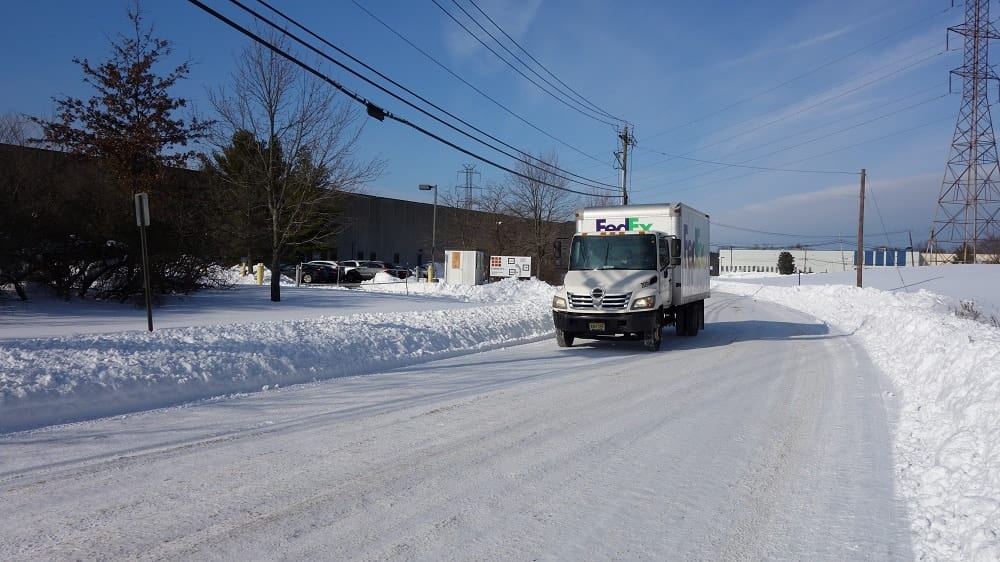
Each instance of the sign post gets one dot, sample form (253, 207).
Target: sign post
(142, 220)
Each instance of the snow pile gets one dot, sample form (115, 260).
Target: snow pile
(506, 290)
(53, 380)
(946, 372)
(932, 330)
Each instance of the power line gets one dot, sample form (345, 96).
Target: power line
(372, 109)
(878, 212)
(762, 168)
(821, 102)
(821, 238)
(542, 66)
(818, 138)
(515, 69)
(474, 88)
(841, 149)
(804, 74)
(810, 129)
(524, 156)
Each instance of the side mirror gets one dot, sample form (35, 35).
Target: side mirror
(559, 253)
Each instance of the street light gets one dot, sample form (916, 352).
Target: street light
(428, 187)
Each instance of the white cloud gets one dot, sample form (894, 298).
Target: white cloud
(514, 17)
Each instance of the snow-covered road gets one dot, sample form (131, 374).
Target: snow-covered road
(764, 437)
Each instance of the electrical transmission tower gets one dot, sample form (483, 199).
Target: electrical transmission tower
(969, 203)
(465, 189)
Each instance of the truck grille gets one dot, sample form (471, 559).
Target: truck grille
(598, 300)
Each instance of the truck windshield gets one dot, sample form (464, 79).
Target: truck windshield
(634, 251)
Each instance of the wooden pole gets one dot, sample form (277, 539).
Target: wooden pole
(861, 229)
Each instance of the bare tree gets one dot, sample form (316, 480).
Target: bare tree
(14, 129)
(539, 197)
(305, 150)
(602, 199)
(494, 204)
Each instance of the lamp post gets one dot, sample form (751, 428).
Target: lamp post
(428, 187)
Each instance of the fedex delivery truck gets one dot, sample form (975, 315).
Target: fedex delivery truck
(633, 270)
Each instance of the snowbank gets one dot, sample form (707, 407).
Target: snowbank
(44, 381)
(946, 372)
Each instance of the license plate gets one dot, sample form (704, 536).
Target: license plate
(597, 326)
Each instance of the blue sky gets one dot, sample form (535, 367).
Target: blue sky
(831, 86)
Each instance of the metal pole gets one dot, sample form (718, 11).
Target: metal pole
(145, 274)
(434, 221)
(861, 229)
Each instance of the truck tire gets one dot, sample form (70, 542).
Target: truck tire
(691, 320)
(686, 323)
(563, 338)
(307, 278)
(651, 340)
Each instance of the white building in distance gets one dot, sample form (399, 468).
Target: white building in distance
(732, 260)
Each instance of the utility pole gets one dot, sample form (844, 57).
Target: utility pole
(622, 156)
(861, 230)
(911, 249)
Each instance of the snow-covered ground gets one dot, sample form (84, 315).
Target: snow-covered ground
(933, 331)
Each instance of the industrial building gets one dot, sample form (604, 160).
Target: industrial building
(733, 260)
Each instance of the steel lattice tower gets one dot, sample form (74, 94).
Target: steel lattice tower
(970, 197)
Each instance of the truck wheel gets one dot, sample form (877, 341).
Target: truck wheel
(307, 278)
(563, 338)
(651, 340)
(690, 320)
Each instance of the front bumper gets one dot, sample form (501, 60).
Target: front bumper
(597, 324)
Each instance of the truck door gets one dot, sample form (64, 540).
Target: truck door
(663, 268)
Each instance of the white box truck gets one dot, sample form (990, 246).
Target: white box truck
(633, 270)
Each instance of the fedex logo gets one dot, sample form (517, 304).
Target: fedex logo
(601, 225)
(694, 249)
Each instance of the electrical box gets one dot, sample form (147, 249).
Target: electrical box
(464, 267)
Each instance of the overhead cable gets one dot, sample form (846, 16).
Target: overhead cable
(526, 65)
(474, 88)
(523, 155)
(542, 66)
(817, 104)
(372, 109)
(526, 77)
(804, 74)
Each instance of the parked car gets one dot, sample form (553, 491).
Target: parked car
(390, 268)
(366, 268)
(314, 272)
(397, 270)
(346, 274)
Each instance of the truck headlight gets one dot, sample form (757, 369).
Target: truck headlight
(558, 302)
(644, 302)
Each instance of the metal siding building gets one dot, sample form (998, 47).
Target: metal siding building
(391, 230)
